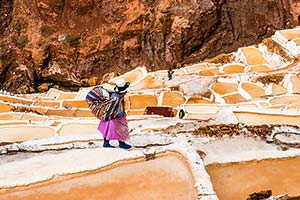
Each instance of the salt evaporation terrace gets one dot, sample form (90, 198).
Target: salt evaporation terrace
(239, 135)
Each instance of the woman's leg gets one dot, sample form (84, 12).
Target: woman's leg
(106, 144)
(123, 145)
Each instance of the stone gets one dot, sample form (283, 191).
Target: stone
(44, 87)
(93, 81)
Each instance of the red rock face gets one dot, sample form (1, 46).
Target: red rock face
(66, 42)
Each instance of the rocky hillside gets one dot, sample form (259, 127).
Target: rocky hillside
(73, 43)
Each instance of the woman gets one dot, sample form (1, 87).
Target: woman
(117, 128)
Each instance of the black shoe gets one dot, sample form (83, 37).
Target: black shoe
(106, 144)
(123, 145)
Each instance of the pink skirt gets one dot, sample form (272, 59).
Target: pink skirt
(115, 129)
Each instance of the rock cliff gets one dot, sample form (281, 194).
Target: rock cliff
(44, 43)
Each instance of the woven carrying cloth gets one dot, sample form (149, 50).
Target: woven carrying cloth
(103, 107)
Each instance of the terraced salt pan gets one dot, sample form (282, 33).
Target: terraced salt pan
(296, 84)
(53, 93)
(241, 149)
(252, 163)
(172, 98)
(69, 130)
(5, 107)
(142, 101)
(285, 99)
(290, 34)
(280, 175)
(234, 98)
(275, 60)
(278, 89)
(74, 103)
(22, 116)
(147, 82)
(253, 56)
(46, 103)
(133, 76)
(260, 68)
(233, 68)
(14, 99)
(255, 116)
(195, 68)
(78, 128)
(187, 179)
(135, 112)
(65, 95)
(81, 94)
(154, 124)
(285, 39)
(13, 122)
(17, 133)
(199, 100)
(254, 90)
(35, 96)
(195, 86)
(224, 88)
(210, 72)
(214, 111)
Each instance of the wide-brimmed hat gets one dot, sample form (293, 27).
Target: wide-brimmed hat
(108, 87)
(121, 86)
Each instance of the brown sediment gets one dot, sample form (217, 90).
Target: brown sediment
(274, 47)
(238, 180)
(127, 179)
(272, 78)
(222, 59)
(219, 130)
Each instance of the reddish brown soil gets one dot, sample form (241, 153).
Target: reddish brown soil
(65, 43)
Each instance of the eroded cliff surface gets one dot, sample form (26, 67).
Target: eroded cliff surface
(67, 42)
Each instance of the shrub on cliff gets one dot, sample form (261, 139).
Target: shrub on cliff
(70, 40)
(22, 41)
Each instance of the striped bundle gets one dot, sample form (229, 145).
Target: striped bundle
(103, 107)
